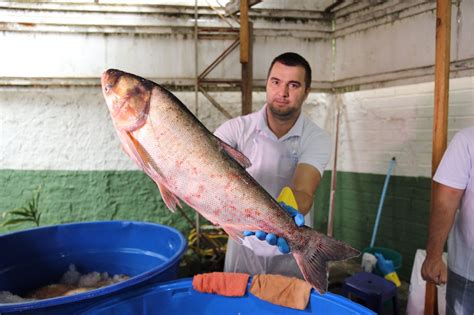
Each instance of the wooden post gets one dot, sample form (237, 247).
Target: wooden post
(244, 31)
(440, 119)
(246, 57)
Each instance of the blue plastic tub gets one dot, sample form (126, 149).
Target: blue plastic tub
(148, 253)
(178, 297)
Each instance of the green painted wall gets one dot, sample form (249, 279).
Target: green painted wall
(403, 225)
(68, 196)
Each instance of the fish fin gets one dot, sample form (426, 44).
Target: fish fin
(128, 146)
(235, 154)
(170, 199)
(134, 149)
(140, 156)
(312, 258)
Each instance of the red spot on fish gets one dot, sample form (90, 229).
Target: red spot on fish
(199, 192)
(231, 180)
(230, 212)
(249, 212)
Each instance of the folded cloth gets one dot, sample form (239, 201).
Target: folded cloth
(281, 290)
(222, 283)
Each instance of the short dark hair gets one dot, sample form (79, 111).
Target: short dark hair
(293, 60)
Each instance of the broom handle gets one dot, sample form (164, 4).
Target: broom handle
(379, 210)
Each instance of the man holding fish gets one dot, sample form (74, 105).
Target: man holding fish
(285, 149)
(189, 164)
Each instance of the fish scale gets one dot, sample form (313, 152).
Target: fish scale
(188, 163)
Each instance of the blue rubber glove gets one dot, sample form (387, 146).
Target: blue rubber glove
(385, 265)
(295, 214)
(274, 240)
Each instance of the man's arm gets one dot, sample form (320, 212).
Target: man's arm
(445, 203)
(304, 184)
(305, 181)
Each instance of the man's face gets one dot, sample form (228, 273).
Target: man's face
(286, 91)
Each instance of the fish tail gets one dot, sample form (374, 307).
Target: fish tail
(312, 258)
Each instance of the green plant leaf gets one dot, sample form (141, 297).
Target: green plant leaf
(28, 213)
(16, 221)
(17, 211)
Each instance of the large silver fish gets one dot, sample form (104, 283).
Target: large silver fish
(189, 163)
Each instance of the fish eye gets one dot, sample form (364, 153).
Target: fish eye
(107, 88)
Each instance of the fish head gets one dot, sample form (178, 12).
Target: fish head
(127, 97)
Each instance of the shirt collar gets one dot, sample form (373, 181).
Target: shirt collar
(295, 131)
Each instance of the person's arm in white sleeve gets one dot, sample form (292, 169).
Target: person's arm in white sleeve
(228, 132)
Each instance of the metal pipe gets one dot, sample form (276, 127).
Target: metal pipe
(219, 59)
(215, 103)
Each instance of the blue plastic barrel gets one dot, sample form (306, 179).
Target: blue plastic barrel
(148, 253)
(178, 297)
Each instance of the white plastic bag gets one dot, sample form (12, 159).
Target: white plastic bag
(416, 295)
(260, 248)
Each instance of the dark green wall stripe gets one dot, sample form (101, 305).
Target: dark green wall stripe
(69, 196)
(404, 221)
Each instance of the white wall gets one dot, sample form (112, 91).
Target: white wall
(70, 128)
(46, 46)
(394, 40)
(368, 46)
(77, 42)
(398, 121)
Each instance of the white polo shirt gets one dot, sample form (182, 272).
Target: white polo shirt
(456, 170)
(274, 160)
(273, 165)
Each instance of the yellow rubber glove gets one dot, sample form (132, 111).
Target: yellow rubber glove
(286, 196)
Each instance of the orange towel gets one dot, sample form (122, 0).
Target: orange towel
(281, 290)
(222, 283)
